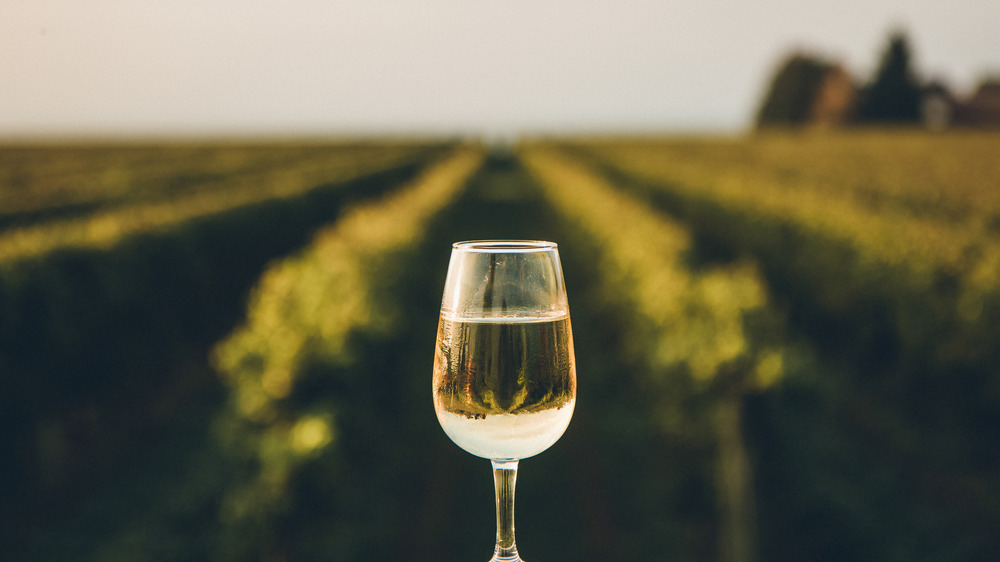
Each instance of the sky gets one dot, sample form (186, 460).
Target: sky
(469, 67)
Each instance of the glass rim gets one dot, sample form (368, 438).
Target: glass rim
(506, 246)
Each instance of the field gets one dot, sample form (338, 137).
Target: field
(787, 348)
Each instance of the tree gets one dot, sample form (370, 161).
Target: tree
(789, 101)
(893, 95)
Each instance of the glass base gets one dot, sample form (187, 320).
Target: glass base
(508, 557)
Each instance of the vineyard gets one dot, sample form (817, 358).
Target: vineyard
(787, 348)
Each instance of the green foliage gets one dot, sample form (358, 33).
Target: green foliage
(303, 323)
(695, 318)
(871, 276)
(101, 347)
(110, 216)
(868, 435)
(909, 226)
(701, 332)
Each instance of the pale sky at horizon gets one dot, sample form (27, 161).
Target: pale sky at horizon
(249, 67)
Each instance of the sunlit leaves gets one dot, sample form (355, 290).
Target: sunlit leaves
(301, 318)
(693, 321)
(906, 218)
(116, 218)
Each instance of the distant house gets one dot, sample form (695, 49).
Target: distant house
(938, 107)
(941, 109)
(982, 110)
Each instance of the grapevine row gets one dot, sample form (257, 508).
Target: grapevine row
(106, 334)
(905, 306)
(303, 315)
(703, 331)
(948, 177)
(695, 317)
(220, 190)
(938, 276)
(56, 182)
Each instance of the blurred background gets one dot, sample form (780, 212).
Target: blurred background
(440, 66)
(224, 229)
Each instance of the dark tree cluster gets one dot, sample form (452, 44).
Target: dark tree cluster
(894, 93)
(807, 89)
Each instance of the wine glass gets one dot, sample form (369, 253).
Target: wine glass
(504, 369)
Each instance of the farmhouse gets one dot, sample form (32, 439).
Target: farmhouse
(983, 108)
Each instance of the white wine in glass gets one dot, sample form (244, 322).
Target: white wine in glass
(504, 368)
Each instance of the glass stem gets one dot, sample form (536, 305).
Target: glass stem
(504, 478)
